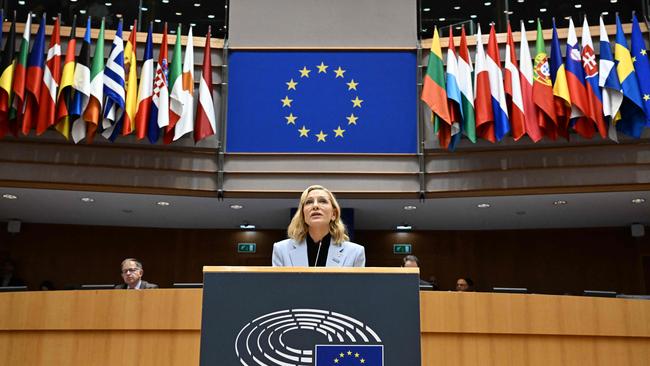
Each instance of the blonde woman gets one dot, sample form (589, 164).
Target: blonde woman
(317, 236)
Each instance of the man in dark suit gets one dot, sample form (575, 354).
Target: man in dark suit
(132, 275)
(413, 261)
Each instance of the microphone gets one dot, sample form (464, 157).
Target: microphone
(318, 253)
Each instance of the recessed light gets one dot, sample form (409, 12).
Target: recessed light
(144, 8)
(456, 7)
(410, 208)
(568, 17)
(577, 6)
(636, 201)
(247, 226)
(179, 13)
(520, 1)
(197, 4)
(157, 20)
(226, 6)
(605, 13)
(211, 16)
(163, 203)
(165, 1)
(87, 199)
(404, 227)
(473, 16)
(426, 9)
(560, 202)
(531, 21)
(442, 19)
(9, 196)
(236, 207)
(108, 3)
(483, 205)
(82, 11)
(487, 3)
(613, 1)
(542, 10)
(193, 24)
(73, 1)
(21, 2)
(509, 12)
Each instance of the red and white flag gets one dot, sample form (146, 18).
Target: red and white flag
(206, 123)
(512, 86)
(51, 80)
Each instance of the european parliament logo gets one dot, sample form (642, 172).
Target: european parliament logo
(306, 337)
(338, 102)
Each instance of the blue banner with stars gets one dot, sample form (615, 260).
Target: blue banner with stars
(322, 102)
(348, 355)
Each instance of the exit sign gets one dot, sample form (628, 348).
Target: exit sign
(401, 248)
(246, 247)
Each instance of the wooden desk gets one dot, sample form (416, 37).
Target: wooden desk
(162, 327)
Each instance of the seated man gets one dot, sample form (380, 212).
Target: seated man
(132, 276)
(413, 261)
(464, 284)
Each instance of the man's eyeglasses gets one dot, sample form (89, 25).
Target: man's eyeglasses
(130, 270)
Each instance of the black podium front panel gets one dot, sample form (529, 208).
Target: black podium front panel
(299, 319)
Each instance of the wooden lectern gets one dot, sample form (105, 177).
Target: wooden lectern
(299, 316)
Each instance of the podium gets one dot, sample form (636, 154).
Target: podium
(299, 316)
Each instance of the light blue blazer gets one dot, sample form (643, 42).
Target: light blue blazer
(290, 253)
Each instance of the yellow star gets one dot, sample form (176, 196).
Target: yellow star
(362, 361)
(304, 132)
(352, 85)
(356, 102)
(356, 355)
(339, 133)
(339, 72)
(341, 355)
(322, 68)
(646, 97)
(286, 102)
(291, 119)
(304, 73)
(321, 136)
(349, 353)
(352, 119)
(633, 59)
(291, 84)
(643, 52)
(336, 360)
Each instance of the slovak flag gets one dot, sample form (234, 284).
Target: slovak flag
(590, 65)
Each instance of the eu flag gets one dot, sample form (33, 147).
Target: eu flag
(322, 102)
(344, 355)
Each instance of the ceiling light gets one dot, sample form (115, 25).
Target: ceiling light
(509, 12)
(179, 13)
(82, 11)
(410, 208)
(108, 3)
(605, 13)
(636, 201)
(404, 227)
(193, 24)
(144, 8)
(426, 9)
(577, 6)
(560, 202)
(163, 203)
(456, 7)
(483, 205)
(157, 20)
(197, 4)
(236, 207)
(21, 2)
(73, 1)
(613, 1)
(9, 196)
(487, 3)
(542, 10)
(247, 226)
(473, 16)
(165, 1)
(118, 15)
(531, 21)
(211, 16)
(520, 1)
(87, 199)
(442, 19)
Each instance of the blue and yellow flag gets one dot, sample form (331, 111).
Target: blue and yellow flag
(312, 102)
(631, 116)
(641, 65)
(352, 355)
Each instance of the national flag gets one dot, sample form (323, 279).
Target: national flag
(499, 107)
(434, 92)
(114, 87)
(641, 64)
(526, 77)
(349, 355)
(465, 72)
(20, 74)
(609, 83)
(482, 97)
(512, 87)
(130, 69)
(561, 91)
(448, 136)
(590, 66)
(206, 120)
(66, 88)
(145, 90)
(34, 79)
(632, 117)
(581, 119)
(159, 117)
(185, 123)
(93, 112)
(51, 80)
(543, 89)
(6, 81)
(175, 81)
(81, 86)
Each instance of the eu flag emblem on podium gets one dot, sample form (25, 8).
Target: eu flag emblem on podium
(322, 102)
(347, 355)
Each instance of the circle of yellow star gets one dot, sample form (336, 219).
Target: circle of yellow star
(286, 102)
(304, 132)
(349, 353)
(322, 68)
(291, 84)
(362, 361)
(304, 72)
(291, 119)
(339, 72)
(336, 360)
(356, 102)
(352, 119)
(321, 136)
(356, 355)
(341, 355)
(339, 133)
(352, 85)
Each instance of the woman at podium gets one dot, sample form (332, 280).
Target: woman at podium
(317, 235)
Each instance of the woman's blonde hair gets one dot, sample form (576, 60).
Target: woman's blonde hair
(298, 228)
